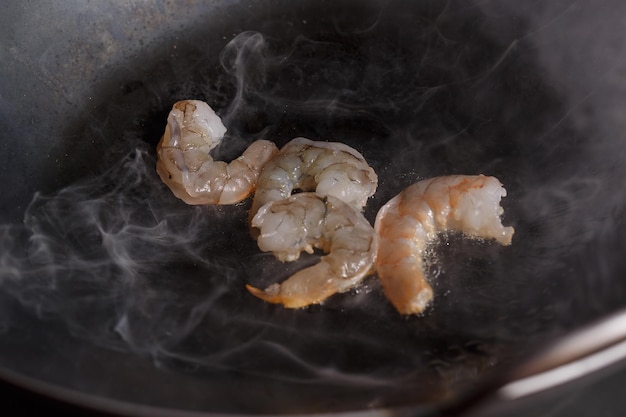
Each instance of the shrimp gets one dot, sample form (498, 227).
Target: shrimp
(328, 168)
(306, 221)
(410, 221)
(186, 167)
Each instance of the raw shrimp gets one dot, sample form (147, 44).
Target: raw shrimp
(306, 221)
(328, 168)
(185, 165)
(412, 220)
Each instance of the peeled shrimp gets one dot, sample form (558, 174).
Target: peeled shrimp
(410, 221)
(328, 168)
(306, 221)
(185, 165)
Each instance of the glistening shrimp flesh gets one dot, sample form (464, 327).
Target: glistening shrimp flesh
(410, 221)
(186, 166)
(328, 168)
(306, 221)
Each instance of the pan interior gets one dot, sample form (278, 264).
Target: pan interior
(111, 286)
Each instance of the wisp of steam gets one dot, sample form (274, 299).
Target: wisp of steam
(128, 267)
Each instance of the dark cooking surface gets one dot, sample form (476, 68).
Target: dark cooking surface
(587, 400)
(113, 287)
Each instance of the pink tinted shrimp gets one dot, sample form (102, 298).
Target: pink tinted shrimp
(306, 221)
(411, 221)
(328, 168)
(187, 168)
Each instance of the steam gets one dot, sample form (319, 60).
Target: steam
(288, 78)
(245, 58)
(93, 251)
(128, 267)
(320, 83)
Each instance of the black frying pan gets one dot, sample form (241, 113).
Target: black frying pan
(112, 288)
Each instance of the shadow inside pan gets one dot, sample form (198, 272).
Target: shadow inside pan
(113, 287)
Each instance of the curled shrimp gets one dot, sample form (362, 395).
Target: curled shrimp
(412, 220)
(328, 168)
(306, 221)
(186, 166)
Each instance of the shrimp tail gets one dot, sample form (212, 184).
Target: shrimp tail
(271, 294)
(306, 287)
(306, 221)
